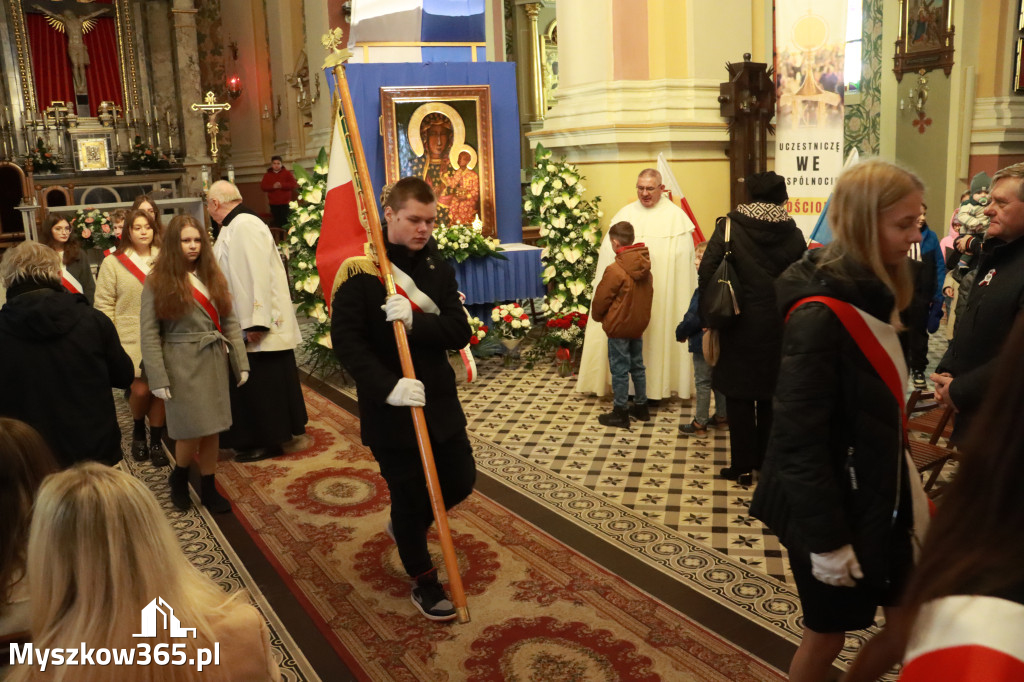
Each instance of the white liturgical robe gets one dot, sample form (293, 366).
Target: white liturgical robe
(249, 259)
(667, 232)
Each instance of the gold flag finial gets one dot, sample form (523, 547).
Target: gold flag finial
(336, 54)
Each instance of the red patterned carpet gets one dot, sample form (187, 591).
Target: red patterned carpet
(539, 610)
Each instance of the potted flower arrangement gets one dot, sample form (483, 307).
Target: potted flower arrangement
(511, 325)
(459, 242)
(95, 229)
(300, 248)
(482, 343)
(569, 232)
(144, 156)
(43, 160)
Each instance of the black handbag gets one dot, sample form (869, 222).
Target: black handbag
(719, 303)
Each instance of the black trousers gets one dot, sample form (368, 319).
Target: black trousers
(750, 423)
(411, 514)
(280, 213)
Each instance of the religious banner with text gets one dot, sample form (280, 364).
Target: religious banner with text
(810, 40)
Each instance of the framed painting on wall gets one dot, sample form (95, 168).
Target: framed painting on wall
(926, 37)
(1018, 60)
(443, 135)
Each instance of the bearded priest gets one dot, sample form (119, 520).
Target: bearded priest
(666, 231)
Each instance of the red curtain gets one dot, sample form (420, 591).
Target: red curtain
(52, 68)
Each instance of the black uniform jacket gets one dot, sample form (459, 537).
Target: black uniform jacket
(365, 344)
(834, 472)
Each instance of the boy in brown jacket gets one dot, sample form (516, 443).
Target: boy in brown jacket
(622, 304)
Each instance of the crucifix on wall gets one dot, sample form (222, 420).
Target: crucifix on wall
(61, 16)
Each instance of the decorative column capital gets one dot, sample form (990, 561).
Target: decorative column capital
(532, 9)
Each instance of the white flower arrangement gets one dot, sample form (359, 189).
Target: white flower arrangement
(459, 242)
(303, 236)
(569, 232)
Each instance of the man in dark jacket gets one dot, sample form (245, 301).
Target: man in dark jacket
(928, 268)
(764, 241)
(995, 300)
(363, 337)
(59, 359)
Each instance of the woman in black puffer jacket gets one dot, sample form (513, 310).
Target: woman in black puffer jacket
(764, 241)
(835, 485)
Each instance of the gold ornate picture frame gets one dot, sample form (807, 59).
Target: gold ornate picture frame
(926, 37)
(444, 135)
(92, 153)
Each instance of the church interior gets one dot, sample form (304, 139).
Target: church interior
(586, 552)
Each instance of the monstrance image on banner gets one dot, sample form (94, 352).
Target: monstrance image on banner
(443, 135)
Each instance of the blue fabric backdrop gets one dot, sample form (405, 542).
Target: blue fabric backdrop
(365, 81)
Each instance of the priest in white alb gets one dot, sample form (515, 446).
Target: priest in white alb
(667, 232)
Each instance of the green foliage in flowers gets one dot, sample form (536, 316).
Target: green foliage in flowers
(95, 229)
(460, 242)
(569, 232)
(482, 344)
(307, 289)
(43, 160)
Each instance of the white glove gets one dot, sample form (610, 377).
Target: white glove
(162, 393)
(398, 307)
(407, 393)
(837, 568)
(245, 378)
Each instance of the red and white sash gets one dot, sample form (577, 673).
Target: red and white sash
(69, 281)
(134, 264)
(880, 344)
(966, 638)
(202, 296)
(112, 249)
(407, 287)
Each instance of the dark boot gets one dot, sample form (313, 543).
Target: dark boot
(619, 417)
(139, 450)
(211, 497)
(641, 412)
(178, 481)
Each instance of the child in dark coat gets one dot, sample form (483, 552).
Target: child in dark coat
(691, 331)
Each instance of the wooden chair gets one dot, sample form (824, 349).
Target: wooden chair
(928, 456)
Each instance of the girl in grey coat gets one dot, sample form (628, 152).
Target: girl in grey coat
(189, 339)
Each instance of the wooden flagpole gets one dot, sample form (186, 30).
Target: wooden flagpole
(361, 178)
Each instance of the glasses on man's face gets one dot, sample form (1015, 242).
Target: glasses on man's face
(646, 190)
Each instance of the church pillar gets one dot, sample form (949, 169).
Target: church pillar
(640, 77)
(536, 86)
(158, 37)
(196, 147)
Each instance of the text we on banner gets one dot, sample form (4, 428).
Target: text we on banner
(810, 40)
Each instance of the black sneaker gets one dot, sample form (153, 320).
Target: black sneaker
(641, 412)
(919, 381)
(432, 602)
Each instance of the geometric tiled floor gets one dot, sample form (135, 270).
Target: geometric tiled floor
(650, 468)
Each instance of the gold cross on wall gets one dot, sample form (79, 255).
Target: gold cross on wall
(211, 107)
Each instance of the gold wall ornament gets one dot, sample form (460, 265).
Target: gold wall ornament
(211, 108)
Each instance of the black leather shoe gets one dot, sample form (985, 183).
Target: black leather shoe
(139, 450)
(157, 455)
(258, 454)
(733, 473)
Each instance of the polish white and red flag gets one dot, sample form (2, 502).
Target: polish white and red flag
(342, 231)
(676, 196)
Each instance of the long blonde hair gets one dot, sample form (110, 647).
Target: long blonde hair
(864, 191)
(99, 551)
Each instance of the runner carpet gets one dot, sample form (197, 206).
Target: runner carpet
(539, 611)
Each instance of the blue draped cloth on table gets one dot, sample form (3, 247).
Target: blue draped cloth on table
(492, 280)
